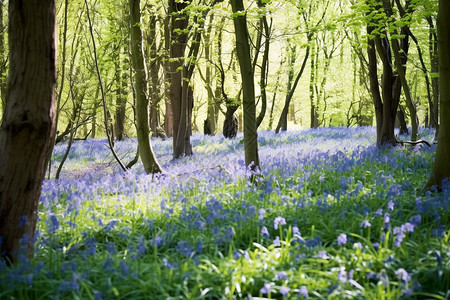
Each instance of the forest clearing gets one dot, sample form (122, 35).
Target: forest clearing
(331, 216)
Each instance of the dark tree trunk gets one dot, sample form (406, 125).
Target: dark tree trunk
(121, 94)
(28, 126)
(168, 116)
(248, 86)
(3, 59)
(441, 167)
(402, 121)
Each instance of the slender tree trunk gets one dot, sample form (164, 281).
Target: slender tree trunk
(121, 94)
(248, 86)
(28, 127)
(3, 59)
(168, 116)
(441, 167)
(137, 57)
(264, 68)
(282, 122)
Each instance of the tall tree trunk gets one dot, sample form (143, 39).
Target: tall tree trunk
(178, 86)
(211, 113)
(282, 122)
(168, 116)
(137, 57)
(434, 58)
(2, 59)
(264, 67)
(441, 167)
(28, 126)
(248, 85)
(121, 93)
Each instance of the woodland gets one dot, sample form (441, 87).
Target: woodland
(209, 149)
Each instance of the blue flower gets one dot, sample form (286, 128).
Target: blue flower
(264, 232)
(124, 268)
(342, 239)
(342, 275)
(278, 221)
(303, 291)
(365, 224)
(284, 291)
(267, 288)
(403, 275)
(282, 275)
(276, 242)
(261, 213)
(323, 254)
(391, 205)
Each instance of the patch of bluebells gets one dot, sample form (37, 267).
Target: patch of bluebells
(219, 222)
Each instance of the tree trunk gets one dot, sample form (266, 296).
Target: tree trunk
(248, 86)
(28, 127)
(168, 116)
(142, 126)
(2, 59)
(121, 94)
(441, 167)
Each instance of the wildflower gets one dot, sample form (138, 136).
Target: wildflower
(303, 291)
(184, 248)
(282, 275)
(342, 239)
(229, 233)
(408, 227)
(267, 288)
(357, 245)
(295, 230)
(124, 268)
(399, 239)
(342, 275)
(379, 212)
(322, 254)
(52, 224)
(365, 224)
(391, 205)
(415, 220)
(284, 291)
(264, 232)
(261, 213)
(276, 242)
(387, 218)
(278, 221)
(141, 247)
(157, 241)
(403, 274)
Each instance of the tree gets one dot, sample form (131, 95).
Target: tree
(248, 85)
(142, 120)
(28, 125)
(441, 167)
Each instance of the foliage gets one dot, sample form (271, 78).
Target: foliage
(331, 216)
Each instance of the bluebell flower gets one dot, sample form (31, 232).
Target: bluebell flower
(295, 230)
(403, 275)
(276, 242)
(342, 239)
(415, 220)
(342, 275)
(282, 275)
(303, 291)
(284, 291)
(157, 241)
(379, 212)
(264, 232)
(365, 224)
(391, 205)
(278, 221)
(323, 254)
(387, 218)
(261, 213)
(124, 268)
(184, 248)
(52, 223)
(267, 288)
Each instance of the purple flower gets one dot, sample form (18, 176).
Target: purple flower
(282, 275)
(276, 242)
(157, 241)
(124, 268)
(295, 230)
(265, 232)
(391, 205)
(303, 291)
(415, 220)
(403, 274)
(261, 213)
(278, 221)
(284, 291)
(342, 239)
(267, 288)
(387, 218)
(408, 227)
(365, 224)
(379, 212)
(322, 254)
(342, 275)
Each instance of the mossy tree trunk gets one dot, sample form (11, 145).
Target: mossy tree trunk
(142, 120)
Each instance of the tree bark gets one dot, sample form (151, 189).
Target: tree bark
(3, 60)
(441, 167)
(28, 126)
(142, 121)
(248, 85)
